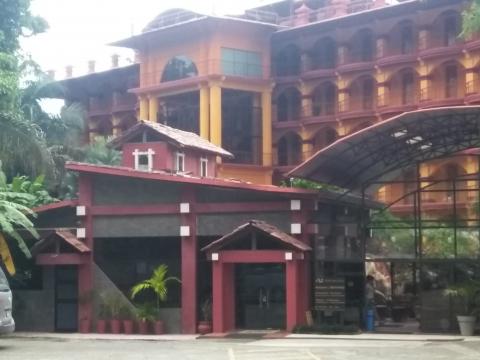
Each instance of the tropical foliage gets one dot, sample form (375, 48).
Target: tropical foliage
(471, 19)
(158, 283)
(469, 293)
(15, 213)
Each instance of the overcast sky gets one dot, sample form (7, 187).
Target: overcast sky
(79, 29)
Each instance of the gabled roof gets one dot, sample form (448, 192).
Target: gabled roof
(63, 235)
(262, 227)
(56, 205)
(176, 137)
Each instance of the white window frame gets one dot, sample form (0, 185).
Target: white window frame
(179, 159)
(203, 162)
(149, 153)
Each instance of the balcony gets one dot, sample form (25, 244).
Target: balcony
(443, 51)
(398, 59)
(99, 107)
(124, 102)
(366, 108)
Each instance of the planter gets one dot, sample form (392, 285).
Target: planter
(143, 327)
(467, 325)
(101, 326)
(127, 326)
(204, 327)
(115, 326)
(158, 327)
(85, 326)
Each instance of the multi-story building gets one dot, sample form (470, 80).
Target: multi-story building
(282, 81)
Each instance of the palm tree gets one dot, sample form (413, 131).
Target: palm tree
(157, 283)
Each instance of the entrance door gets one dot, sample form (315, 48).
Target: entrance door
(260, 300)
(66, 299)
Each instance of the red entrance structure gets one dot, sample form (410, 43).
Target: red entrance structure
(257, 242)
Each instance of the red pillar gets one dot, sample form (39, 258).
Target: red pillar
(293, 294)
(85, 271)
(189, 266)
(223, 305)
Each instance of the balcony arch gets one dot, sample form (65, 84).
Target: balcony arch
(362, 94)
(179, 67)
(362, 46)
(447, 81)
(404, 87)
(323, 138)
(324, 99)
(289, 104)
(403, 38)
(324, 54)
(446, 29)
(445, 173)
(287, 62)
(289, 149)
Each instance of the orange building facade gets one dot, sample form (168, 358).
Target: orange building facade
(282, 81)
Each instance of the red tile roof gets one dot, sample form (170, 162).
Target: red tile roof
(263, 227)
(178, 137)
(64, 235)
(55, 205)
(182, 178)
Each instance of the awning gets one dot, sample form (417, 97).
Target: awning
(380, 152)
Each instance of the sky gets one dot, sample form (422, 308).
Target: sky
(80, 29)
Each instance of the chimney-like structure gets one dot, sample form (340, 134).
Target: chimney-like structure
(115, 61)
(91, 66)
(302, 15)
(51, 74)
(339, 7)
(68, 71)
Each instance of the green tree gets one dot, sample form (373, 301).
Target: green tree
(22, 145)
(471, 19)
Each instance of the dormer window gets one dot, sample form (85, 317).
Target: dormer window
(143, 160)
(203, 167)
(179, 162)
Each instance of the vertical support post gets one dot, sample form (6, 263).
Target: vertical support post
(216, 114)
(152, 108)
(223, 304)
(455, 222)
(292, 294)
(204, 125)
(189, 246)
(143, 100)
(267, 127)
(85, 271)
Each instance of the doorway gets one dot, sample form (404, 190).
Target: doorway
(66, 299)
(260, 301)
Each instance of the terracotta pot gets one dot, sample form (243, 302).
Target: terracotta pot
(158, 327)
(204, 327)
(101, 326)
(115, 326)
(142, 327)
(127, 326)
(85, 326)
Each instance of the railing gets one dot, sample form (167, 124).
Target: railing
(359, 5)
(471, 87)
(324, 108)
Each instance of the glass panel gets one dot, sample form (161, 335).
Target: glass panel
(468, 243)
(438, 242)
(395, 243)
(435, 309)
(3, 281)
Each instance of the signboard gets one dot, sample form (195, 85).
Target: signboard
(329, 294)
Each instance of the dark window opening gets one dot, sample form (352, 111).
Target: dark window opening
(180, 67)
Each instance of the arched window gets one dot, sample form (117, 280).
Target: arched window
(179, 67)
(289, 105)
(325, 100)
(451, 30)
(323, 138)
(406, 39)
(289, 150)
(287, 62)
(451, 81)
(408, 88)
(324, 54)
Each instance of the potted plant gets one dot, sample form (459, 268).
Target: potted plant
(146, 313)
(158, 284)
(469, 293)
(85, 325)
(114, 304)
(127, 319)
(205, 325)
(103, 315)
